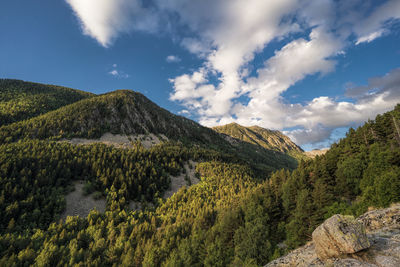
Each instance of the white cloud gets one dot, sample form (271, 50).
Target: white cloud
(104, 20)
(230, 33)
(114, 73)
(308, 136)
(322, 115)
(196, 47)
(117, 73)
(314, 121)
(370, 37)
(173, 59)
(374, 26)
(227, 35)
(184, 112)
(388, 84)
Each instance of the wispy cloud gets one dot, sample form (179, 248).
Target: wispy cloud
(173, 59)
(105, 20)
(118, 73)
(376, 24)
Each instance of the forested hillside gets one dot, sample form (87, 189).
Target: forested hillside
(21, 100)
(127, 112)
(269, 139)
(359, 171)
(240, 214)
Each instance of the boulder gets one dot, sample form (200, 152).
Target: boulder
(339, 235)
(383, 232)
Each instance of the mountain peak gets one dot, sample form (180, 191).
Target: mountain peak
(269, 139)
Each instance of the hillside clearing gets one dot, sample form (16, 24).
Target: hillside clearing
(121, 141)
(187, 178)
(80, 205)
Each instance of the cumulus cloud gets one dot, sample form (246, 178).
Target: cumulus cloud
(227, 35)
(172, 59)
(313, 121)
(322, 115)
(222, 27)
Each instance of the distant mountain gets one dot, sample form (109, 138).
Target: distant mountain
(21, 100)
(269, 139)
(130, 113)
(316, 152)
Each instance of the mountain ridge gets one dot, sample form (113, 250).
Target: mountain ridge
(266, 138)
(128, 112)
(249, 207)
(20, 100)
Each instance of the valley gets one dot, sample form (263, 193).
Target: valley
(166, 190)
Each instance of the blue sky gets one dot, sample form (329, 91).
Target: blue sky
(308, 68)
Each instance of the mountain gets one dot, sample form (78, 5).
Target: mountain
(21, 100)
(122, 112)
(130, 113)
(269, 139)
(247, 205)
(316, 152)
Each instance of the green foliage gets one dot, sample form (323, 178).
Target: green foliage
(128, 112)
(362, 170)
(21, 100)
(233, 217)
(34, 177)
(268, 139)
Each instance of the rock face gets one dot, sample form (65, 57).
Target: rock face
(339, 235)
(382, 230)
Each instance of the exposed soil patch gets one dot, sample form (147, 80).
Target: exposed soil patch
(79, 204)
(121, 141)
(187, 178)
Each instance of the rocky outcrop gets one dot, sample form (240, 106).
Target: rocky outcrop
(380, 227)
(339, 235)
(381, 219)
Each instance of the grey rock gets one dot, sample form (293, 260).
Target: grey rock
(339, 235)
(383, 233)
(381, 218)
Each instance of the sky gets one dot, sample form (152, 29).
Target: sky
(310, 69)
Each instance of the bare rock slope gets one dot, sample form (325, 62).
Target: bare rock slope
(372, 239)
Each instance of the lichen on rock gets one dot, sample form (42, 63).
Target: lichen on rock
(339, 235)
